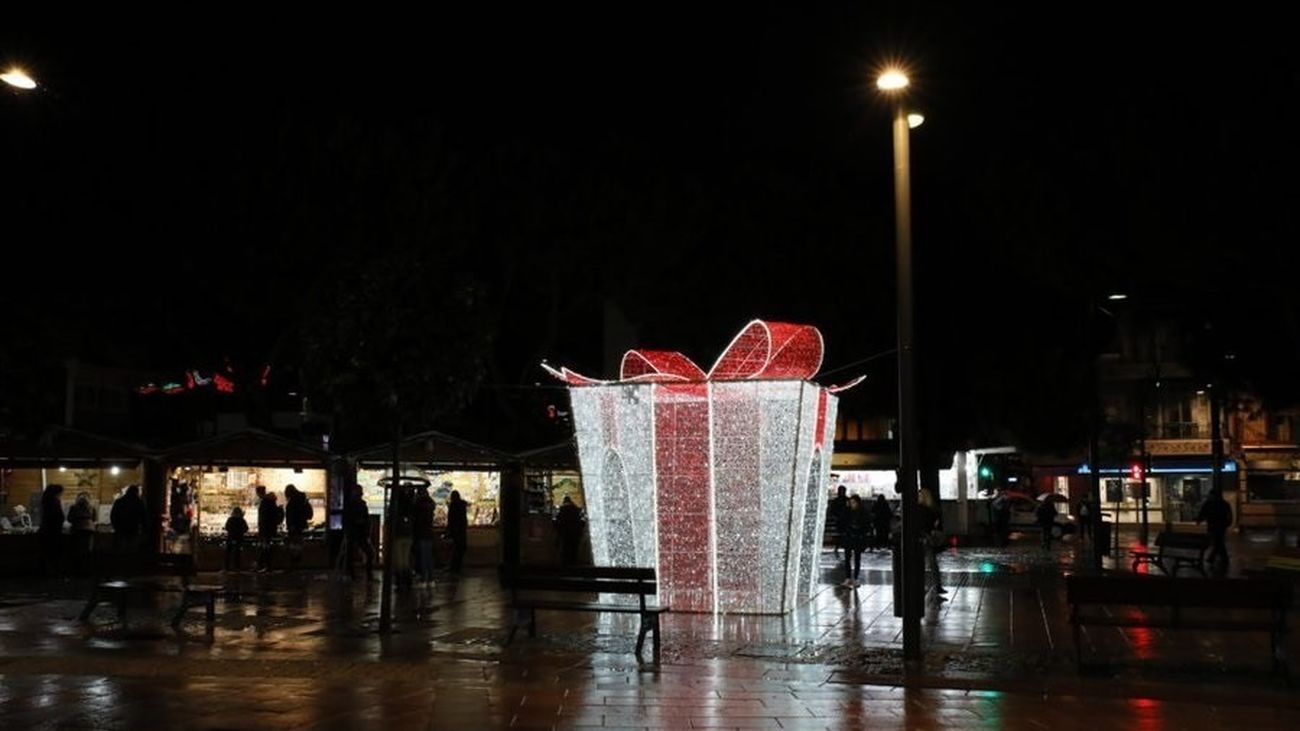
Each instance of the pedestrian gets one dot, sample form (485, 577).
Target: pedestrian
(403, 534)
(457, 530)
(1217, 515)
(1085, 514)
(857, 528)
(236, 529)
(269, 517)
(356, 531)
(932, 537)
(1002, 519)
(127, 517)
(1045, 514)
(51, 527)
(882, 519)
(297, 516)
(837, 514)
(568, 529)
(81, 521)
(423, 533)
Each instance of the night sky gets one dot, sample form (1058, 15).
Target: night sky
(184, 191)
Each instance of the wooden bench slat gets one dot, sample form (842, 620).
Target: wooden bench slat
(586, 607)
(585, 586)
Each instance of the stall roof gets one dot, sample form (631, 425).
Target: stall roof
(252, 447)
(437, 449)
(562, 456)
(61, 444)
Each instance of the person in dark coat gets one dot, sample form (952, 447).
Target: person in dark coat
(1001, 507)
(882, 519)
(356, 528)
(236, 529)
(128, 517)
(1045, 514)
(423, 533)
(297, 516)
(837, 513)
(857, 530)
(1217, 515)
(81, 521)
(269, 517)
(932, 536)
(568, 527)
(457, 529)
(51, 527)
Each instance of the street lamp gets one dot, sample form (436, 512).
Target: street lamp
(892, 82)
(18, 79)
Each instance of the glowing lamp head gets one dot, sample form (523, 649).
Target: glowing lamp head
(915, 120)
(1117, 296)
(891, 80)
(18, 78)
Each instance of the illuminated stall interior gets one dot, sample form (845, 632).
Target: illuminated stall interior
(448, 463)
(216, 475)
(550, 475)
(84, 463)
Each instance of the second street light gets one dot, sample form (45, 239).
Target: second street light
(893, 83)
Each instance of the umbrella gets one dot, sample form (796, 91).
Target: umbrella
(1054, 497)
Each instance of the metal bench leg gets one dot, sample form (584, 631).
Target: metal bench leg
(656, 639)
(212, 609)
(532, 622)
(121, 608)
(640, 635)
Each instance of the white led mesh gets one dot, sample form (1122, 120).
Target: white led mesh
(718, 485)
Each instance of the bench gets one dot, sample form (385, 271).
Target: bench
(528, 583)
(193, 595)
(1267, 600)
(1182, 549)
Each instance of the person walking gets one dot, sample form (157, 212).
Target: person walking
(423, 533)
(882, 520)
(457, 530)
(1085, 515)
(837, 513)
(236, 529)
(403, 534)
(568, 529)
(933, 538)
(269, 517)
(128, 517)
(297, 516)
(356, 527)
(1045, 515)
(51, 527)
(857, 529)
(1217, 515)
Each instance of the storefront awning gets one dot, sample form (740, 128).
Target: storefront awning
(1165, 467)
(250, 448)
(60, 445)
(435, 449)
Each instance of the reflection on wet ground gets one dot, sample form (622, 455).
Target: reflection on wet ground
(302, 650)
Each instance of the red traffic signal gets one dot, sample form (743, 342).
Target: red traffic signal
(1135, 471)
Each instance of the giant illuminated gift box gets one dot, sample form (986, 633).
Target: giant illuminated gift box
(718, 479)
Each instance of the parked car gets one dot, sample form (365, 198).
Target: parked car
(1024, 516)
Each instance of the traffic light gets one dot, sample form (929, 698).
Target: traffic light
(1135, 471)
(986, 472)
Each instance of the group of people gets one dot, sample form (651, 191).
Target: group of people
(128, 516)
(414, 536)
(861, 528)
(296, 515)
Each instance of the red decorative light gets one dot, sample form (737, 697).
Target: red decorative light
(223, 384)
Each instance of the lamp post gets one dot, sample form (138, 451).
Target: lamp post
(1095, 419)
(893, 82)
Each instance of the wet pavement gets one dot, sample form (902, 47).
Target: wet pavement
(301, 651)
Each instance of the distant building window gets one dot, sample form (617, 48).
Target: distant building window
(1273, 487)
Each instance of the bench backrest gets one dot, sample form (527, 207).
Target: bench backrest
(1184, 592)
(635, 581)
(1190, 541)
